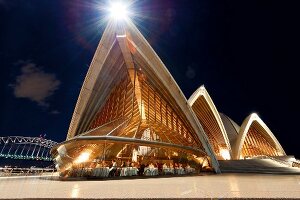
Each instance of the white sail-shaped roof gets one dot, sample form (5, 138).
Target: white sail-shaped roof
(210, 119)
(253, 124)
(122, 52)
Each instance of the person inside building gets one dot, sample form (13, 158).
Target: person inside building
(123, 164)
(141, 169)
(165, 166)
(128, 164)
(113, 168)
(104, 163)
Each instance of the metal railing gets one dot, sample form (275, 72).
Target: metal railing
(296, 163)
(20, 171)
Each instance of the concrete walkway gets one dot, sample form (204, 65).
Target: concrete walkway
(205, 186)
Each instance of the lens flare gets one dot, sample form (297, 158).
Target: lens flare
(118, 11)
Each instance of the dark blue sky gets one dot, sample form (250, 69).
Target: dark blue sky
(246, 53)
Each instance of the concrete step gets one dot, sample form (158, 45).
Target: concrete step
(257, 166)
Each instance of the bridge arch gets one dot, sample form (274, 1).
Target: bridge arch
(29, 148)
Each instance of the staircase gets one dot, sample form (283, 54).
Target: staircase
(258, 165)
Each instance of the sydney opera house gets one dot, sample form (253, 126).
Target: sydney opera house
(130, 109)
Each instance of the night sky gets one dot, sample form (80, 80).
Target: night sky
(246, 53)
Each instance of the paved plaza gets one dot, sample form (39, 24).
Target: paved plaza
(202, 186)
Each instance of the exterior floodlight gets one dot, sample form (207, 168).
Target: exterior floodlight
(225, 154)
(118, 11)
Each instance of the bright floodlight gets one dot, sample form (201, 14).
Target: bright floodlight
(225, 154)
(118, 10)
(83, 157)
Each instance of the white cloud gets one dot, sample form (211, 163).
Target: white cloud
(35, 84)
(54, 112)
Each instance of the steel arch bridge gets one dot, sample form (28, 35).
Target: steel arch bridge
(28, 148)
